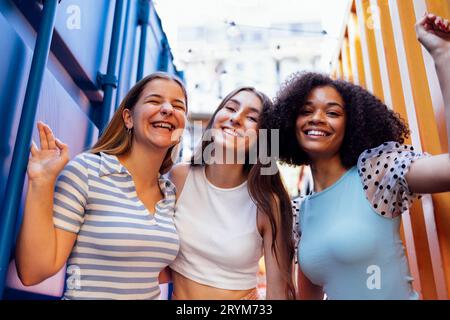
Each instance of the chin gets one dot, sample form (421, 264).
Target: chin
(225, 145)
(162, 144)
(314, 149)
(224, 142)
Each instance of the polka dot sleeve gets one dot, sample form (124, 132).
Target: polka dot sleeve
(382, 171)
(296, 225)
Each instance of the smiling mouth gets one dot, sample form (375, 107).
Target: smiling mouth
(164, 125)
(316, 133)
(231, 132)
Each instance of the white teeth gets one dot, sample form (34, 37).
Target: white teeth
(163, 125)
(229, 131)
(316, 133)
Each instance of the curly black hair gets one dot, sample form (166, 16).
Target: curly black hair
(369, 121)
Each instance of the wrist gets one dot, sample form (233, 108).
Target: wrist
(441, 55)
(41, 182)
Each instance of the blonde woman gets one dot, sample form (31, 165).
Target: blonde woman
(110, 216)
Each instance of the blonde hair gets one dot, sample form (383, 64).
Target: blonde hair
(116, 140)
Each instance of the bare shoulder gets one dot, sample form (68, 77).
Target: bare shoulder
(178, 175)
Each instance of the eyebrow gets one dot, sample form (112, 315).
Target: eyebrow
(154, 95)
(251, 108)
(235, 101)
(254, 110)
(329, 104)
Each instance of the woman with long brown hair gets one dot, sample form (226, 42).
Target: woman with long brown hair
(110, 217)
(229, 213)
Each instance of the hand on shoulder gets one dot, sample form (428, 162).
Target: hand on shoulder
(178, 175)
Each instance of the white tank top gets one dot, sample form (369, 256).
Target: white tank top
(220, 245)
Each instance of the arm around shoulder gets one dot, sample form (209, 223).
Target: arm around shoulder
(178, 175)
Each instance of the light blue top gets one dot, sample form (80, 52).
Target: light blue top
(346, 246)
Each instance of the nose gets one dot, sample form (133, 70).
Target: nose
(236, 118)
(317, 117)
(166, 109)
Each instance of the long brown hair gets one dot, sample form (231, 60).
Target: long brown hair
(116, 140)
(267, 191)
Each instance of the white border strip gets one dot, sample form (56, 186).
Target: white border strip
(351, 27)
(404, 75)
(379, 43)
(412, 121)
(365, 51)
(346, 63)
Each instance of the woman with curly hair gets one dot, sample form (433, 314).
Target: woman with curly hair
(364, 179)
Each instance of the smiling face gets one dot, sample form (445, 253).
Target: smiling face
(320, 125)
(235, 125)
(159, 116)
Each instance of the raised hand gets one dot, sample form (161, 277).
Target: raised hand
(48, 161)
(433, 32)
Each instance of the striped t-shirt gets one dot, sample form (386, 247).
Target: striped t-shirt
(121, 247)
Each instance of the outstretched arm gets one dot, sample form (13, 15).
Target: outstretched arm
(432, 174)
(433, 33)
